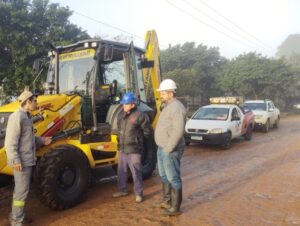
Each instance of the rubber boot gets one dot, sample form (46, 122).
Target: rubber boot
(166, 199)
(176, 199)
(166, 203)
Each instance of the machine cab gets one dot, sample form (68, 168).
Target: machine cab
(100, 72)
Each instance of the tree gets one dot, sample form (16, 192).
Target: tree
(193, 68)
(289, 47)
(26, 30)
(256, 77)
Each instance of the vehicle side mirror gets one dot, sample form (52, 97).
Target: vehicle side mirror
(108, 53)
(147, 63)
(114, 87)
(271, 109)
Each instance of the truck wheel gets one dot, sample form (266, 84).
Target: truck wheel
(276, 124)
(149, 158)
(248, 134)
(62, 176)
(227, 142)
(266, 127)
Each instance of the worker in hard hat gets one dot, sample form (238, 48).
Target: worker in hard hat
(169, 137)
(133, 127)
(20, 144)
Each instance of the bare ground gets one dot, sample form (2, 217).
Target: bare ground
(255, 182)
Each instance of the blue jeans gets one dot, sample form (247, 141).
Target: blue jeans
(169, 166)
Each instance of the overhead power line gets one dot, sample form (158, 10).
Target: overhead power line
(114, 27)
(244, 34)
(109, 25)
(207, 24)
(231, 22)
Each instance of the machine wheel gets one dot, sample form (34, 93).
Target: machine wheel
(62, 176)
(266, 127)
(5, 180)
(248, 134)
(149, 157)
(227, 141)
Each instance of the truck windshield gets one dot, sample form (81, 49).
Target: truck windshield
(211, 113)
(256, 106)
(74, 70)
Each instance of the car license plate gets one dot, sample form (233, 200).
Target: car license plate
(196, 137)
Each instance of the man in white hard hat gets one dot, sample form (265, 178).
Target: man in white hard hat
(169, 134)
(20, 143)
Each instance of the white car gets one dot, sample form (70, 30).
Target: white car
(266, 114)
(219, 124)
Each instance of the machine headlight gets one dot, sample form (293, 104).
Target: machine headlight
(216, 131)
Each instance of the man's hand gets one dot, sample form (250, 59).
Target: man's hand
(47, 140)
(18, 167)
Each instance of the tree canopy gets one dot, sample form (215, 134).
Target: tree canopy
(26, 30)
(290, 46)
(201, 71)
(193, 68)
(29, 27)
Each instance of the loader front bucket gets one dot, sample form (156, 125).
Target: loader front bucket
(3, 160)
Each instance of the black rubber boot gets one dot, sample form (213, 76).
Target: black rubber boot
(166, 203)
(166, 198)
(176, 199)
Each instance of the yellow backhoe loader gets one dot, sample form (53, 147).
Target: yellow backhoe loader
(84, 85)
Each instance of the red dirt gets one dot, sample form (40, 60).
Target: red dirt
(252, 183)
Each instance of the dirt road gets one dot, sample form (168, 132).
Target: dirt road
(255, 182)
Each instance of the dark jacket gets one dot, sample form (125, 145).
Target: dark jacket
(133, 127)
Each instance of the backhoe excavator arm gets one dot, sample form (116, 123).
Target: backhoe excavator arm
(152, 76)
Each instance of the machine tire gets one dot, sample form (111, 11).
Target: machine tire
(266, 127)
(149, 157)
(62, 176)
(248, 134)
(5, 180)
(227, 142)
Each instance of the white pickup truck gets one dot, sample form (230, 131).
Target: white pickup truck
(219, 123)
(265, 112)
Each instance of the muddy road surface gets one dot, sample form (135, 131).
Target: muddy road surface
(255, 182)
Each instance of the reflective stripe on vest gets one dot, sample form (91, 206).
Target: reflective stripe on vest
(17, 203)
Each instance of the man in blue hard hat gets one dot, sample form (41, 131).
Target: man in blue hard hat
(133, 126)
